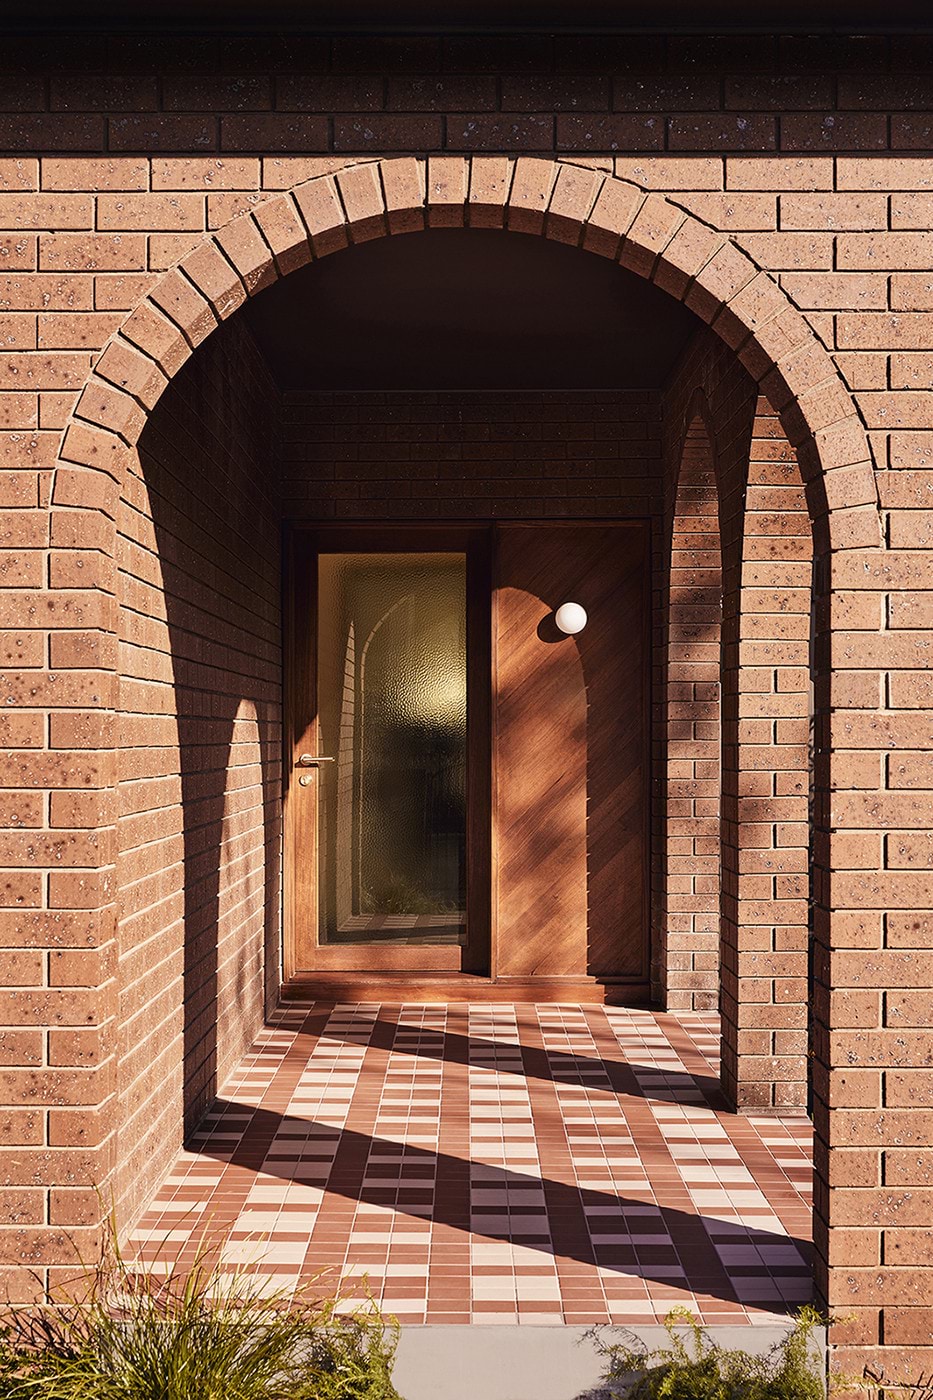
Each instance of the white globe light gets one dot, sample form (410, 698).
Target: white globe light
(570, 618)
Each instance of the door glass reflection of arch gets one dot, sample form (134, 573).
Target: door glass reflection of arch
(392, 697)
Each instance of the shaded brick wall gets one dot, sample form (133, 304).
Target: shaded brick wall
(200, 750)
(686, 883)
(806, 158)
(766, 767)
(757, 805)
(490, 456)
(647, 94)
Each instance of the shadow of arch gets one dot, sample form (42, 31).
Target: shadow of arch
(769, 769)
(687, 890)
(573, 720)
(212, 631)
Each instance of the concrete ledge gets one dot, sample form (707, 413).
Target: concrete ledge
(530, 1362)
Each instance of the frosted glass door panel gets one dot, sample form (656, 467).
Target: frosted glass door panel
(392, 699)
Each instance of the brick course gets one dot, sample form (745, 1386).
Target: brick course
(789, 183)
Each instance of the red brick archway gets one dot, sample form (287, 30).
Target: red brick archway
(648, 234)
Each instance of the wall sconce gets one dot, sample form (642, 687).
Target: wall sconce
(570, 618)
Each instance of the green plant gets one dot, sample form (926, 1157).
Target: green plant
(693, 1367)
(125, 1333)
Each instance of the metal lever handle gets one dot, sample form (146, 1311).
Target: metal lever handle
(311, 760)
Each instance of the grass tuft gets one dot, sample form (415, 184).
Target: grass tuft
(123, 1332)
(693, 1367)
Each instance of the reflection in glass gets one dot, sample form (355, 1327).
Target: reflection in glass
(392, 705)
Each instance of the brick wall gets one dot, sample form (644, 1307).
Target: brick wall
(425, 456)
(805, 159)
(767, 762)
(640, 95)
(200, 750)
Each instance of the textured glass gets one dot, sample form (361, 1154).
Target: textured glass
(392, 700)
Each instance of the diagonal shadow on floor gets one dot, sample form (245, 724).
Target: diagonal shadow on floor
(436, 1187)
(555, 1066)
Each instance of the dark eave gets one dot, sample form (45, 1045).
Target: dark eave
(483, 16)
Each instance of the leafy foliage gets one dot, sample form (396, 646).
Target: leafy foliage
(132, 1334)
(693, 1367)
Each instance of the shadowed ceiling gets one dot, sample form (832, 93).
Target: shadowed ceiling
(712, 16)
(468, 309)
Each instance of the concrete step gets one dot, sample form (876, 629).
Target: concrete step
(530, 1362)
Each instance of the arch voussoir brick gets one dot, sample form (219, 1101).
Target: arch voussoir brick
(532, 183)
(178, 297)
(611, 217)
(741, 317)
(126, 367)
(490, 182)
(243, 244)
(216, 279)
(651, 231)
(692, 246)
(322, 214)
(404, 193)
(363, 200)
(106, 406)
(87, 488)
(728, 272)
(88, 445)
(280, 224)
(804, 369)
(574, 194)
(157, 336)
(446, 191)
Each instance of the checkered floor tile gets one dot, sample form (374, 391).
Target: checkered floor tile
(495, 1164)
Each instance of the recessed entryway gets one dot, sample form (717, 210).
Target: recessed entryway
(467, 794)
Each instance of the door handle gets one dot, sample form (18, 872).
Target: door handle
(311, 760)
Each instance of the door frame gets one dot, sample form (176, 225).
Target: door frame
(303, 957)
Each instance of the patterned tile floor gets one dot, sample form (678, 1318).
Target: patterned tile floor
(496, 1164)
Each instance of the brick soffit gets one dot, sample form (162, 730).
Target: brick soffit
(576, 204)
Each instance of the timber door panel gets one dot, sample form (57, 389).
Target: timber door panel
(570, 718)
(388, 791)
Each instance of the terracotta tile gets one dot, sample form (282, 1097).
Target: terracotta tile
(575, 1143)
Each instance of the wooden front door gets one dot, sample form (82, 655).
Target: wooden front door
(466, 810)
(388, 783)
